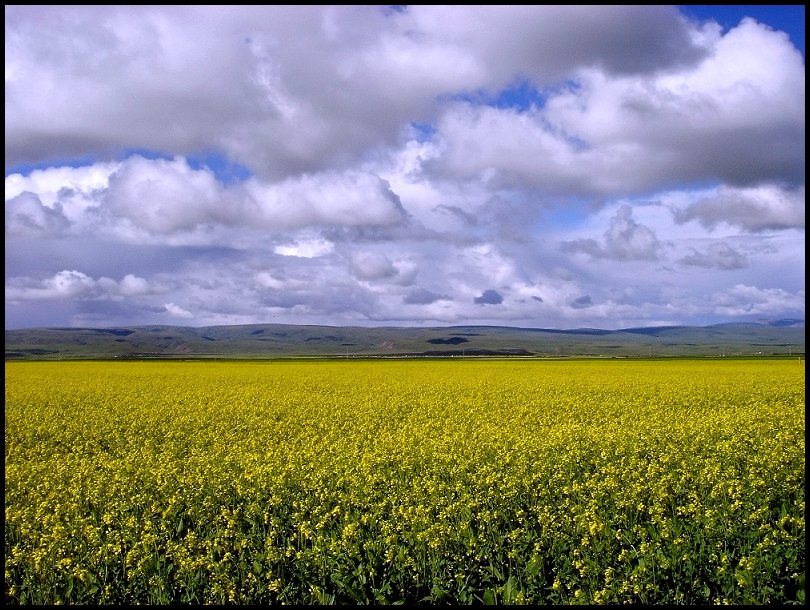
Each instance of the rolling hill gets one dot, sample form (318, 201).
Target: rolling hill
(779, 337)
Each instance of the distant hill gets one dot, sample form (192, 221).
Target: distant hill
(779, 337)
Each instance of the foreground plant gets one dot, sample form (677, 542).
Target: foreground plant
(421, 482)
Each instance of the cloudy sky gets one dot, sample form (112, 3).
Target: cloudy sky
(541, 166)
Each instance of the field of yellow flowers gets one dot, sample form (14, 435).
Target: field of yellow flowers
(452, 481)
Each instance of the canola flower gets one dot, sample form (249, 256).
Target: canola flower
(521, 482)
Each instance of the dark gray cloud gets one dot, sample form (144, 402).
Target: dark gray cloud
(765, 208)
(489, 297)
(283, 300)
(582, 302)
(422, 296)
(457, 211)
(661, 39)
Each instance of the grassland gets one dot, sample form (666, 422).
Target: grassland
(449, 481)
(263, 341)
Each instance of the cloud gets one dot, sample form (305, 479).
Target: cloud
(748, 300)
(163, 196)
(66, 284)
(422, 296)
(159, 199)
(718, 255)
(599, 134)
(615, 94)
(369, 165)
(351, 199)
(582, 302)
(624, 240)
(133, 285)
(371, 266)
(176, 311)
(764, 208)
(73, 284)
(489, 297)
(136, 80)
(306, 248)
(26, 215)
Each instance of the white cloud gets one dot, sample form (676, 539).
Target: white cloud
(353, 199)
(68, 284)
(305, 248)
(603, 134)
(753, 301)
(290, 89)
(132, 285)
(176, 311)
(163, 196)
(73, 284)
(159, 200)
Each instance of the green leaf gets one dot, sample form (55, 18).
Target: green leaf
(508, 590)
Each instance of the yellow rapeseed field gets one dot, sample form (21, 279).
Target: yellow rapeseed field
(460, 481)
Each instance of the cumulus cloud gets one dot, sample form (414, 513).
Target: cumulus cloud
(371, 266)
(133, 285)
(162, 196)
(764, 208)
(353, 199)
(624, 240)
(139, 82)
(73, 284)
(747, 300)
(155, 199)
(26, 215)
(62, 184)
(377, 165)
(605, 135)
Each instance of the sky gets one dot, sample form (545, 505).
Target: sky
(545, 166)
